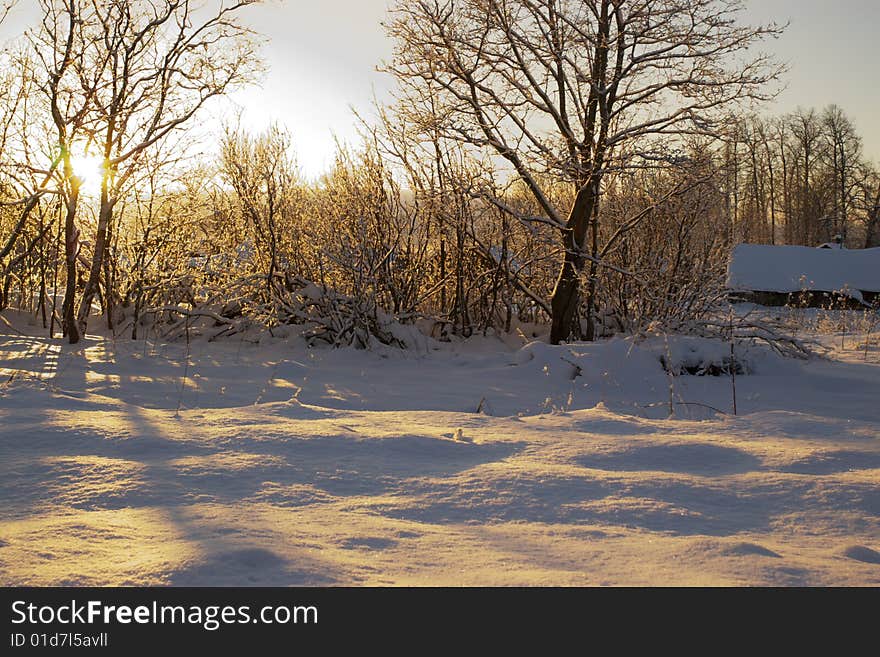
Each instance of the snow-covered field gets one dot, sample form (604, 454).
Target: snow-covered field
(481, 463)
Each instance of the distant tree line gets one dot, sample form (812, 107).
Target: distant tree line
(803, 179)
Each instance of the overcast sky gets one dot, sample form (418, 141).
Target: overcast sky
(323, 56)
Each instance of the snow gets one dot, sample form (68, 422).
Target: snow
(275, 464)
(766, 268)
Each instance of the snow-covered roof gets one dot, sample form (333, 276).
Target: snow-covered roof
(766, 268)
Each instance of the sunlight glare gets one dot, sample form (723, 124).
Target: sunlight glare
(90, 169)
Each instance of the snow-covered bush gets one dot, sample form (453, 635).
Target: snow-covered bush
(705, 357)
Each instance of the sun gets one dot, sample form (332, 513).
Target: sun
(89, 169)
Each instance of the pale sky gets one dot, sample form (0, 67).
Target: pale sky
(833, 50)
(323, 55)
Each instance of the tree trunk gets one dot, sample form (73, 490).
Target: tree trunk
(594, 267)
(872, 233)
(772, 194)
(566, 294)
(104, 217)
(71, 250)
(108, 300)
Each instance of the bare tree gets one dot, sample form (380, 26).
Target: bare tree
(162, 61)
(567, 91)
(843, 154)
(69, 82)
(263, 176)
(872, 227)
(25, 182)
(806, 170)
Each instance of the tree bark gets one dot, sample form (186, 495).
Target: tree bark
(71, 250)
(872, 233)
(566, 293)
(104, 217)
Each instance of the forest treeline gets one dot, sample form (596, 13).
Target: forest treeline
(585, 166)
